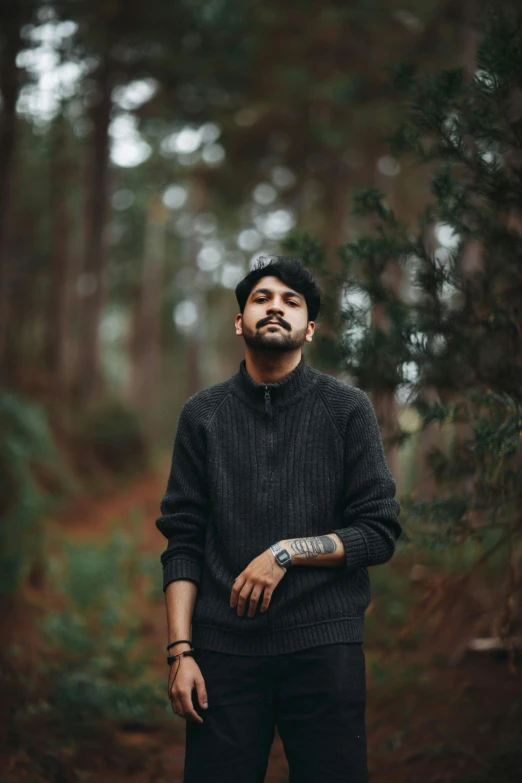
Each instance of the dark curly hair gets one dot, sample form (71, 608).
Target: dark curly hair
(291, 272)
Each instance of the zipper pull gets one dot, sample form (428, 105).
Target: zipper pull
(267, 399)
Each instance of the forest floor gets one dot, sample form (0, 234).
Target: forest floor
(427, 721)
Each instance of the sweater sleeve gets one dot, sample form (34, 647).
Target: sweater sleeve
(185, 505)
(370, 510)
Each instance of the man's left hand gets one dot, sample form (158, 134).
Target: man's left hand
(260, 577)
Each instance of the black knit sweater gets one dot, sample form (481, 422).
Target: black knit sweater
(256, 463)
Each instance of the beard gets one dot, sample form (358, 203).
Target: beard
(274, 342)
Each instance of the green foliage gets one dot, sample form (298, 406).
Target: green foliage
(33, 480)
(82, 697)
(154, 588)
(113, 435)
(93, 676)
(399, 678)
(98, 669)
(463, 126)
(490, 458)
(392, 602)
(309, 249)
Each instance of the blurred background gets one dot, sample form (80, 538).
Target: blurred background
(149, 154)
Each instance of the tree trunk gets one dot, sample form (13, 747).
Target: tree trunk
(88, 383)
(146, 343)
(13, 16)
(384, 402)
(325, 349)
(59, 301)
(196, 335)
(196, 338)
(335, 208)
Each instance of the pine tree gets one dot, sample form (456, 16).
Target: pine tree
(451, 343)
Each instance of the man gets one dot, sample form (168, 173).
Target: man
(278, 499)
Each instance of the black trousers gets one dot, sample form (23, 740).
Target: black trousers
(316, 698)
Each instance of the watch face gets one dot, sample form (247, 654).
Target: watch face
(284, 557)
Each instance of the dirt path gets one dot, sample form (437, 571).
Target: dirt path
(440, 727)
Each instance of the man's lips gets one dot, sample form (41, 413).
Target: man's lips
(273, 323)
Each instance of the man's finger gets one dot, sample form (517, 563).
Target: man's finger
(238, 584)
(202, 692)
(254, 599)
(188, 709)
(243, 597)
(266, 599)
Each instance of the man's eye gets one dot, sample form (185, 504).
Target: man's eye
(260, 299)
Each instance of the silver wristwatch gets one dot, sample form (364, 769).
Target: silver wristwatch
(282, 555)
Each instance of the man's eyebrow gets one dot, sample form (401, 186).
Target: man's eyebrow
(269, 292)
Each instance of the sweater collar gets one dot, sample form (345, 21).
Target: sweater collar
(282, 392)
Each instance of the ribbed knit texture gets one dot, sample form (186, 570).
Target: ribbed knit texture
(245, 475)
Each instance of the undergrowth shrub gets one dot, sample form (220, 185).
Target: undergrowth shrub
(33, 481)
(98, 669)
(68, 701)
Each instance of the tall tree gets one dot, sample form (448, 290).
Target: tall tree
(14, 14)
(61, 269)
(146, 337)
(88, 376)
(454, 330)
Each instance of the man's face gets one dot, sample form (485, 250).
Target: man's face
(272, 300)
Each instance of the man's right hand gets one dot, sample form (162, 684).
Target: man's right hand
(184, 676)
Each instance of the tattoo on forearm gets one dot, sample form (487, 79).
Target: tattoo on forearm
(311, 547)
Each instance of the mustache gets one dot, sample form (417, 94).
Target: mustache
(277, 320)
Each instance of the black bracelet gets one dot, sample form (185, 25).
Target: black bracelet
(178, 642)
(172, 658)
